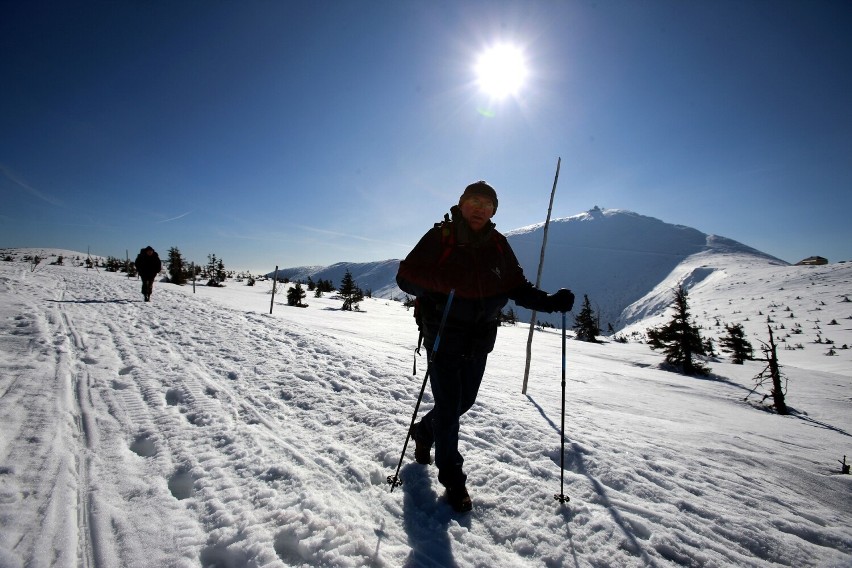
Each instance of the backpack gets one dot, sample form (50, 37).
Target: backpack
(448, 240)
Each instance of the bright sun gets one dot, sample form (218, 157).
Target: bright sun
(501, 71)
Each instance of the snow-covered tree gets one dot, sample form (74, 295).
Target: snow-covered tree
(736, 344)
(295, 295)
(586, 322)
(176, 267)
(350, 292)
(680, 339)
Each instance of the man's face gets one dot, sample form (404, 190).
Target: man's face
(477, 211)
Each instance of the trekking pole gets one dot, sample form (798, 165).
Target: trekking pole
(561, 497)
(538, 279)
(394, 480)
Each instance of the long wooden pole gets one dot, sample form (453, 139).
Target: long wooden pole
(274, 286)
(538, 278)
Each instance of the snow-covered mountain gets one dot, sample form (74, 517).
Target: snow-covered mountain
(617, 257)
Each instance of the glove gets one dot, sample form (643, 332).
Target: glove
(561, 301)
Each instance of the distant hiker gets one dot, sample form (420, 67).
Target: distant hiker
(148, 265)
(468, 255)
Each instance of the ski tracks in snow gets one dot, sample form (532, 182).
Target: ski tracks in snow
(197, 429)
(58, 416)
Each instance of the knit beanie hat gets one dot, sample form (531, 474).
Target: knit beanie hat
(479, 188)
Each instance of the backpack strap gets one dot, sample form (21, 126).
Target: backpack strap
(448, 238)
(418, 317)
(417, 352)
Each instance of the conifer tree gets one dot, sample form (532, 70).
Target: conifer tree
(350, 292)
(680, 339)
(113, 264)
(585, 322)
(710, 347)
(295, 295)
(211, 265)
(324, 286)
(509, 317)
(215, 269)
(177, 271)
(736, 344)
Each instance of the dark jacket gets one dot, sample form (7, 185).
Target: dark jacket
(483, 270)
(148, 266)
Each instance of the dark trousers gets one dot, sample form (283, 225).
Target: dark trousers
(455, 382)
(147, 287)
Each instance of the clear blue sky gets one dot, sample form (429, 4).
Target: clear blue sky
(297, 133)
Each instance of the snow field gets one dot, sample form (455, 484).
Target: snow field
(199, 430)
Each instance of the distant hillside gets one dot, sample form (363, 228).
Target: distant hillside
(378, 277)
(617, 257)
(48, 255)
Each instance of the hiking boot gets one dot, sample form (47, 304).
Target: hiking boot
(422, 451)
(459, 499)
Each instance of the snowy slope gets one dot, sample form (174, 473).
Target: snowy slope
(809, 308)
(199, 430)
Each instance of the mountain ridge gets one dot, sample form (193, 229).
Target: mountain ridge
(614, 256)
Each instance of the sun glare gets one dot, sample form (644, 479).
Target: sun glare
(501, 71)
